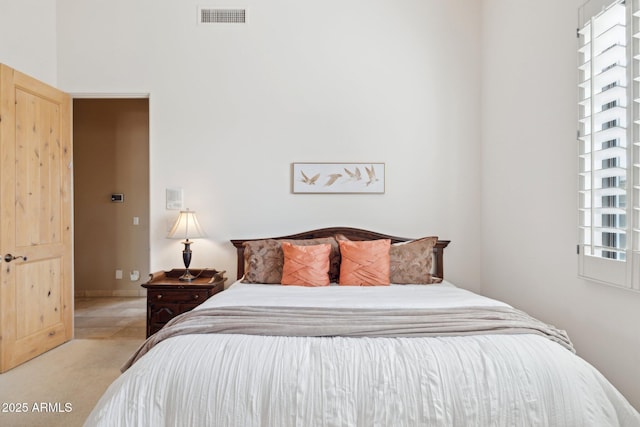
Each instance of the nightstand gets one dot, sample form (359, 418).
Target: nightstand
(168, 297)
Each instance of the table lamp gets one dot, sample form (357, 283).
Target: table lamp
(186, 227)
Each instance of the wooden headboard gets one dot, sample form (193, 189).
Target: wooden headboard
(351, 234)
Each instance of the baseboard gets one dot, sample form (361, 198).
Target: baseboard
(111, 293)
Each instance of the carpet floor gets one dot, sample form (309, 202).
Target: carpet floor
(61, 387)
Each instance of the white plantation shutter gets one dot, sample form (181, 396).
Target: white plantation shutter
(609, 159)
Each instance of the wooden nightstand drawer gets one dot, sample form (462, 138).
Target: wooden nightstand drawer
(168, 297)
(178, 296)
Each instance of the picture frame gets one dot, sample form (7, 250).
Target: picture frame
(338, 178)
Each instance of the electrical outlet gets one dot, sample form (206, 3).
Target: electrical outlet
(134, 275)
(118, 274)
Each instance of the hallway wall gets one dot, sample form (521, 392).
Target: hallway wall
(111, 155)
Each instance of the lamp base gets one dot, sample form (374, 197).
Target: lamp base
(186, 257)
(186, 276)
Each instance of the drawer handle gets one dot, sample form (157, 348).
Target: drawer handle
(196, 296)
(159, 296)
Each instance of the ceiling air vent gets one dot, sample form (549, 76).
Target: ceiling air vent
(222, 16)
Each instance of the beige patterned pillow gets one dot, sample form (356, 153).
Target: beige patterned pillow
(264, 259)
(410, 262)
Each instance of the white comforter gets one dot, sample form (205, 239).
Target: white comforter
(242, 380)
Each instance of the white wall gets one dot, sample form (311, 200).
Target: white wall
(232, 106)
(529, 184)
(28, 38)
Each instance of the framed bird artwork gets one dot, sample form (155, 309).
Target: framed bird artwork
(336, 178)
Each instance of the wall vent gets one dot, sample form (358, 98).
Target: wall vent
(222, 16)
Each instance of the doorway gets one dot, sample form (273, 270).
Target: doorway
(111, 196)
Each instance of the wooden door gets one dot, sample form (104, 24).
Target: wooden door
(36, 306)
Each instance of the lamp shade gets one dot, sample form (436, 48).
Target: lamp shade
(186, 227)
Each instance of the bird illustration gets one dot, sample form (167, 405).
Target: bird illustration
(307, 180)
(332, 178)
(354, 176)
(372, 175)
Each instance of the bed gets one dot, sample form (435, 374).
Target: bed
(390, 354)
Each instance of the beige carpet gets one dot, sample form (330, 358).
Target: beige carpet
(68, 380)
(61, 387)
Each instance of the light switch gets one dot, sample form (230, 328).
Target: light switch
(175, 198)
(136, 220)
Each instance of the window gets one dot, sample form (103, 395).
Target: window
(609, 142)
(613, 220)
(610, 163)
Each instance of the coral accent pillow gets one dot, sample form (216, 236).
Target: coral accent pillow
(364, 263)
(305, 265)
(334, 255)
